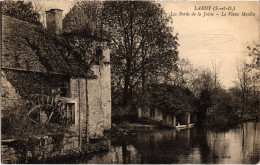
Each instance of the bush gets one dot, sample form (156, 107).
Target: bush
(15, 121)
(220, 117)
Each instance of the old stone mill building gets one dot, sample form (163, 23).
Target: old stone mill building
(39, 67)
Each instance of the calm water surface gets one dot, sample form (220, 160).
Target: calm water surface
(240, 145)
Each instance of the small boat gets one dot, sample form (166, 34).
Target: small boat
(181, 126)
(191, 125)
(184, 126)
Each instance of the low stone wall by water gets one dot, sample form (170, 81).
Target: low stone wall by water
(41, 148)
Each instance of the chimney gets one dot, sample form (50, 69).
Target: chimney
(54, 21)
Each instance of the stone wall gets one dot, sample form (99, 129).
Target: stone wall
(106, 88)
(9, 96)
(96, 113)
(145, 113)
(158, 115)
(78, 92)
(99, 98)
(170, 120)
(39, 148)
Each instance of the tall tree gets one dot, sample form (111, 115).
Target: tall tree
(185, 75)
(41, 10)
(142, 42)
(243, 76)
(216, 66)
(254, 78)
(84, 18)
(80, 27)
(143, 47)
(204, 82)
(21, 10)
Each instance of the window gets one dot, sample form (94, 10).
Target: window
(152, 114)
(64, 89)
(69, 113)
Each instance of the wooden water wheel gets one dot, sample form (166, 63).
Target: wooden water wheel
(43, 107)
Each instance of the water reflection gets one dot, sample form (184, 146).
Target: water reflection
(240, 145)
(237, 145)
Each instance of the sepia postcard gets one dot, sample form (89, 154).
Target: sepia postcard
(130, 82)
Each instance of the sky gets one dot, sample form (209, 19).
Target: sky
(223, 39)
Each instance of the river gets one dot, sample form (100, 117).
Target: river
(239, 145)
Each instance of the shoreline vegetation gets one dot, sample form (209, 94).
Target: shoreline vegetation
(121, 125)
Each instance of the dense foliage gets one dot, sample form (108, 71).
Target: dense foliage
(143, 47)
(254, 79)
(172, 99)
(247, 90)
(15, 121)
(21, 10)
(216, 109)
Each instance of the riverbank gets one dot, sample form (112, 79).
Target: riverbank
(44, 146)
(126, 128)
(127, 138)
(170, 146)
(38, 149)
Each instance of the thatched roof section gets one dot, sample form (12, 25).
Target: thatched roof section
(31, 48)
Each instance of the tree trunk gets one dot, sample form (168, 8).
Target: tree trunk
(127, 82)
(143, 75)
(243, 105)
(258, 111)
